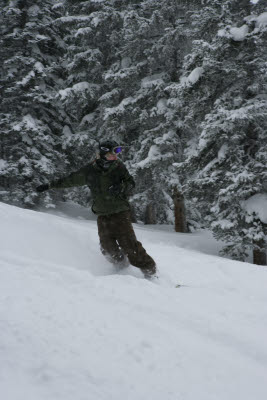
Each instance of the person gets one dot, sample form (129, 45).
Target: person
(110, 184)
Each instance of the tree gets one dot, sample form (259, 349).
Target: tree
(225, 158)
(114, 87)
(31, 118)
(136, 107)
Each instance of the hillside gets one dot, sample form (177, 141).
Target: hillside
(73, 329)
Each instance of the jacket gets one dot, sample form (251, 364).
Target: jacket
(100, 181)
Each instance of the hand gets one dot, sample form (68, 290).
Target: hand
(42, 188)
(115, 189)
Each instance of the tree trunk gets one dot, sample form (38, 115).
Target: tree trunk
(259, 252)
(179, 211)
(150, 215)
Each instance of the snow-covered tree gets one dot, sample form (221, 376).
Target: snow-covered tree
(116, 71)
(89, 33)
(31, 118)
(136, 106)
(89, 26)
(222, 100)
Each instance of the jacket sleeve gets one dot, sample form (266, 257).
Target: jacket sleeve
(78, 178)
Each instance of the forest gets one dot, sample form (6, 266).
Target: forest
(181, 85)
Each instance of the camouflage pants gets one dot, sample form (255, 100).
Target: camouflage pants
(117, 240)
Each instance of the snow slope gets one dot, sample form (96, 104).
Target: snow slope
(72, 329)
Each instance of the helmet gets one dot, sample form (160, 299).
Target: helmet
(108, 146)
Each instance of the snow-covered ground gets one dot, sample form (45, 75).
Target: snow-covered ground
(73, 329)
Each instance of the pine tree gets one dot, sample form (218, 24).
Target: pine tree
(89, 30)
(225, 159)
(89, 26)
(121, 57)
(136, 104)
(31, 118)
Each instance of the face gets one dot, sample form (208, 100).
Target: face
(111, 156)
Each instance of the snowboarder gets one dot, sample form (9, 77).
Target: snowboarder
(110, 184)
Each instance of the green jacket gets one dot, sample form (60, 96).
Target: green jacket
(99, 181)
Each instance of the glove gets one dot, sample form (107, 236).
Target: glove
(42, 188)
(115, 189)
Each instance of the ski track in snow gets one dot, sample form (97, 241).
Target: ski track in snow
(73, 328)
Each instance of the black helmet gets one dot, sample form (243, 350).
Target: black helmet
(107, 146)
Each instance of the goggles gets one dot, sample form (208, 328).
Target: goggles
(115, 150)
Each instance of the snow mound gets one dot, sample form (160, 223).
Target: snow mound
(261, 21)
(235, 33)
(257, 204)
(193, 77)
(73, 328)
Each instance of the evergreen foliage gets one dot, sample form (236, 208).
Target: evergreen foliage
(121, 57)
(226, 157)
(30, 117)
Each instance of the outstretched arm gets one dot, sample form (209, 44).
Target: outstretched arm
(77, 178)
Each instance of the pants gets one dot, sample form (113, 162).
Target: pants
(117, 240)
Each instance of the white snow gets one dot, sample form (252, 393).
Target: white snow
(41, 37)
(152, 80)
(110, 111)
(95, 21)
(193, 76)
(257, 204)
(76, 18)
(239, 34)
(66, 131)
(88, 118)
(43, 164)
(168, 136)
(72, 328)
(153, 155)
(67, 136)
(34, 10)
(13, 3)
(223, 151)
(39, 66)
(3, 164)
(77, 88)
(223, 224)
(83, 31)
(261, 20)
(28, 122)
(57, 5)
(26, 78)
(161, 106)
(64, 93)
(81, 86)
(222, 32)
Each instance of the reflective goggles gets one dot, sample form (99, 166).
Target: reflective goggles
(116, 150)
